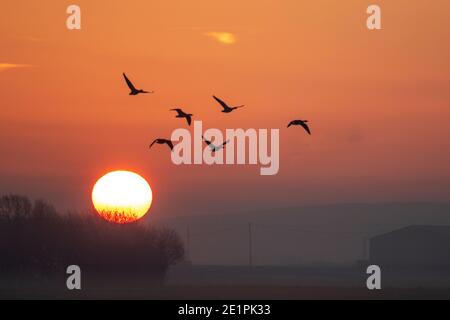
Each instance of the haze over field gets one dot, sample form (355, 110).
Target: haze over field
(299, 236)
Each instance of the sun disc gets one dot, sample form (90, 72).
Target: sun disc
(122, 197)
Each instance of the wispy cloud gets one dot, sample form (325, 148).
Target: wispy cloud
(8, 66)
(222, 37)
(33, 39)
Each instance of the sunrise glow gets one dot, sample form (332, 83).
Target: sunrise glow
(122, 197)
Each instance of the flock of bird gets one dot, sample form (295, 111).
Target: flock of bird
(183, 115)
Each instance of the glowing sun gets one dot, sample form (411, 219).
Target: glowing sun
(122, 197)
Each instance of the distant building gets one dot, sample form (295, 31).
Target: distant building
(412, 247)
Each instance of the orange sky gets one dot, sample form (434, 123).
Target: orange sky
(378, 102)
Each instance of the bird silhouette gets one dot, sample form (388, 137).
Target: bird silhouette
(134, 91)
(213, 147)
(182, 114)
(302, 123)
(163, 141)
(226, 107)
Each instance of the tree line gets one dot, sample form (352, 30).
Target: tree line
(37, 241)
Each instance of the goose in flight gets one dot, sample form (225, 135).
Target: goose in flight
(182, 114)
(213, 147)
(226, 107)
(163, 141)
(134, 91)
(302, 123)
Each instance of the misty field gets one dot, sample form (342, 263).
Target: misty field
(135, 261)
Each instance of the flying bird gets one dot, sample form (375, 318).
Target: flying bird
(163, 141)
(134, 91)
(182, 114)
(302, 123)
(213, 147)
(226, 107)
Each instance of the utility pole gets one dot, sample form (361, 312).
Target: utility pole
(366, 248)
(188, 245)
(250, 246)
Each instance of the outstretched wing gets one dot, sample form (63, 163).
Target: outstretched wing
(179, 111)
(222, 103)
(153, 143)
(207, 141)
(129, 83)
(305, 126)
(189, 120)
(292, 123)
(212, 146)
(170, 144)
(222, 146)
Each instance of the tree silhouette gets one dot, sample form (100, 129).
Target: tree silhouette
(36, 240)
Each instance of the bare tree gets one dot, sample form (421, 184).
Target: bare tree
(15, 207)
(171, 245)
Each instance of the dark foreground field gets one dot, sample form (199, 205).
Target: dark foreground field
(228, 293)
(236, 283)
